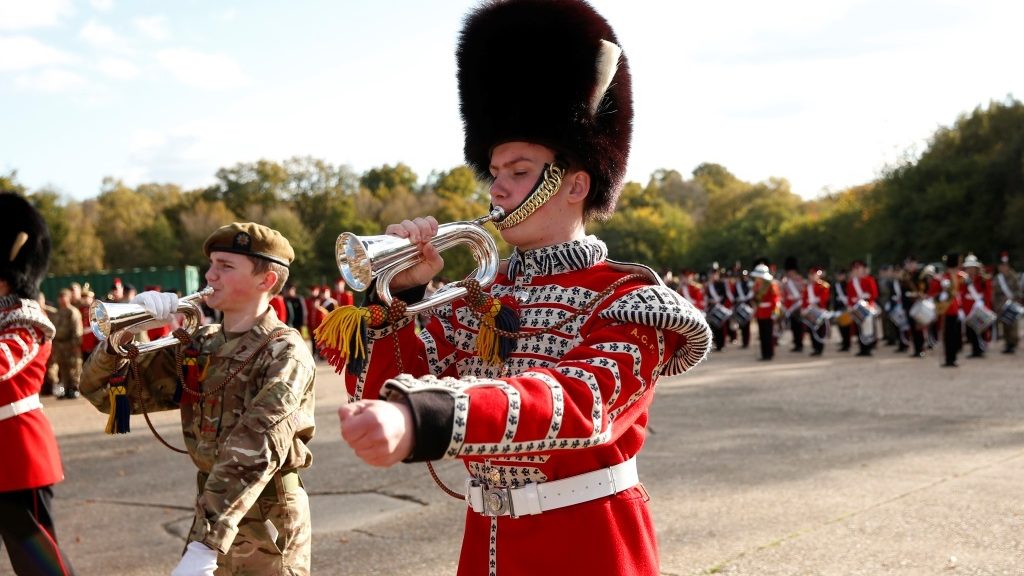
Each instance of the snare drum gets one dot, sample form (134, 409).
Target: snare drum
(743, 313)
(980, 318)
(861, 311)
(813, 317)
(923, 311)
(1011, 312)
(718, 315)
(898, 316)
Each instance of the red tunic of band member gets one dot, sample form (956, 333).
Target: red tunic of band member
(695, 295)
(767, 296)
(588, 384)
(982, 292)
(28, 448)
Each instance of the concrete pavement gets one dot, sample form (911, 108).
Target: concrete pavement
(803, 466)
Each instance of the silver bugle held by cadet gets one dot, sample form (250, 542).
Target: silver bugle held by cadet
(110, 321)
(363, 259)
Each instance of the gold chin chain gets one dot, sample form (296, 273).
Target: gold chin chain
(550, 183)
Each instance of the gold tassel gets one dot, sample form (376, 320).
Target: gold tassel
(487, 339)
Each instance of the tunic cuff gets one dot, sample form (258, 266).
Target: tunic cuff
(433, 414)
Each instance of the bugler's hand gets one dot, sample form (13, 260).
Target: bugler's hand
(419, 232)
(161, 305)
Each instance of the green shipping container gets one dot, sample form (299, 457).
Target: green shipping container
(170, 278)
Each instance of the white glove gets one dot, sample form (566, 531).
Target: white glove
(199, 559)
(161, 305)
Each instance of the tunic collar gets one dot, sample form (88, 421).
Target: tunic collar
(558, 258)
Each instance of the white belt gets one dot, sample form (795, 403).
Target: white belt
(534, 498)
(26, 404)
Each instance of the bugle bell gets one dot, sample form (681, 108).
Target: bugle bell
(111, 320)
(363, 259)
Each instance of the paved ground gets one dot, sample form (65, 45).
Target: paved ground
(832, 466)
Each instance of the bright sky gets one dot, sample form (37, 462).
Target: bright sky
(823, 93)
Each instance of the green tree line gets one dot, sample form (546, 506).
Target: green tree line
(965, 192)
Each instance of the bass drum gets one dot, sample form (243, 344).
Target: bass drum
(923, 311)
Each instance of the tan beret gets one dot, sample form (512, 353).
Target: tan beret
(251, 239)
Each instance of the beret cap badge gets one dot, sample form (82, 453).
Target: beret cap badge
(242, 240)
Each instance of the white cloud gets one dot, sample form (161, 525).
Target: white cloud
(25, 52)
(21, 14)
(202, 70)
(102, 5)
(147, 139)
(51, 80)
(98, 34)
(117, 68)
(154, 27)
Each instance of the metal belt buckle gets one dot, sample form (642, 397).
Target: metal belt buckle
(497, 502)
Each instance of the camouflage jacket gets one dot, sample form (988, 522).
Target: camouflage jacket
(240, 434)
(68, 322)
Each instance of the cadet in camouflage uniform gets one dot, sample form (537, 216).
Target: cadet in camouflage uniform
(248, 427)
(67, 344)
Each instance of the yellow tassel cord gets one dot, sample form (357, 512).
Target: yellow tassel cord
(487, 345)
(339, 335)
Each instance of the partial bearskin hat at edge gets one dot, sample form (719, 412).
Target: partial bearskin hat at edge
(24, 245)
(528, 70)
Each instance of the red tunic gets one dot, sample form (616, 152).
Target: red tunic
(868, 290)
(28, 447)
(982, 292)
(567, 402)
(767, 299)
(792, 293)
(693, 293)
(277, 303)
(816, 295)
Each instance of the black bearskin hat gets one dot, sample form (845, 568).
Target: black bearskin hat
(24, 245)
(790, 263)
(535, 71)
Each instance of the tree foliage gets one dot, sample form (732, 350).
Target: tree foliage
(964, 192)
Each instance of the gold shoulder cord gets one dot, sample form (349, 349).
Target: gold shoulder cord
(552, 181)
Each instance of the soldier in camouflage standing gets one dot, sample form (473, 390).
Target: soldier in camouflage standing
(67, 345)
(246, 409)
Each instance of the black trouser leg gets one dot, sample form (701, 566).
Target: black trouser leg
(718, 336)
(917, 335)
(745, 334)
(844, 337)
(765, 334)
(28, 534)
(975, 339)
(818, 336)
(951, 340)
(797, 326)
